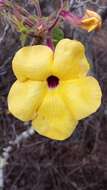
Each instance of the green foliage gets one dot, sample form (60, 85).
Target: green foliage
(57, 35)
(24, 32)
(23, 38)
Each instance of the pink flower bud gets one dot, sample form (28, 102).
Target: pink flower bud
(71, 18)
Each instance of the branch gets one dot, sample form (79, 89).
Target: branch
(8, 149)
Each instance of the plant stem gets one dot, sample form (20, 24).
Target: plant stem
(38, 9)
(62, 4)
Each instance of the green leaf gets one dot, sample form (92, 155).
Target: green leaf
(23, 38)
(57, 35)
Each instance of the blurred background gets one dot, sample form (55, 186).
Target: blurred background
(37, 163)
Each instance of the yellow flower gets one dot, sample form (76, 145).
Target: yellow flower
(91, 21)
(52, 88)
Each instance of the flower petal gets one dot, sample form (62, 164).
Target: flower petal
(91, 21)
(83, 96)
(25, 98)
(89, 24)
(69, 60)
(54, 119)
(33, 62)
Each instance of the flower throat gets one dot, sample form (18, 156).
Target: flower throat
(52, 81)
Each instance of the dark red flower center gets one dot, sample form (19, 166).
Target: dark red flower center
(53, 81)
